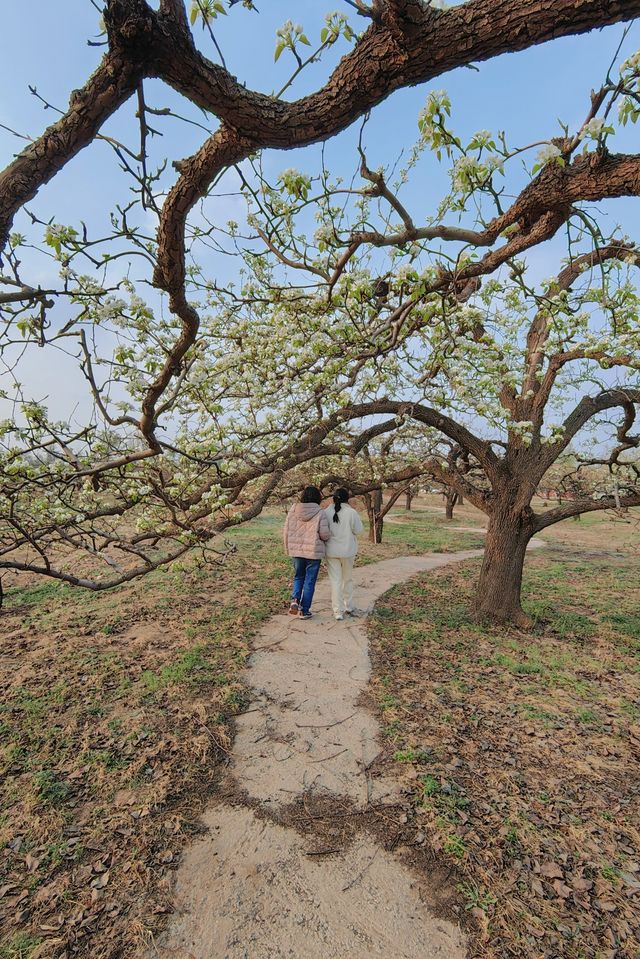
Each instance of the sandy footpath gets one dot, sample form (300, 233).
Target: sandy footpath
(255, 889)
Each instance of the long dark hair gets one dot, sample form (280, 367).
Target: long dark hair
(340, 496)
(311, 494)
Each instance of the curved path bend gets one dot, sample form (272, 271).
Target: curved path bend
(251, 889)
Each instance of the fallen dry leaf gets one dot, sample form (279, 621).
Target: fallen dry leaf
(100, 881)
(561, 889)
(551, 870)
(581, 885)
(31, 862)
(606, 905)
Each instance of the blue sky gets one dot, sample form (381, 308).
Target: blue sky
(44, 44)
(522, 93)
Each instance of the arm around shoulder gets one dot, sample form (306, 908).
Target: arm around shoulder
(324, 531)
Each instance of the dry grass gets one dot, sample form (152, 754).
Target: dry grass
(116, 718)
(520, 751)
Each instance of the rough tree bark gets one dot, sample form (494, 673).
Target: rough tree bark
(500, 582)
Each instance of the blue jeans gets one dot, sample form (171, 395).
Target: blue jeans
(305, 574)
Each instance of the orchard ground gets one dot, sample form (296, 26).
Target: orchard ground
(517, 749)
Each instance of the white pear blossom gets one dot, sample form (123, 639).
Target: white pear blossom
(593, 129)
(548, 154)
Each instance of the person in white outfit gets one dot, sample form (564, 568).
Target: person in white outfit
(345, 526)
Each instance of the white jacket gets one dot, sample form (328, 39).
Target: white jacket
(343, 540)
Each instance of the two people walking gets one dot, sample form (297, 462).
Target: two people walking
(311, 534)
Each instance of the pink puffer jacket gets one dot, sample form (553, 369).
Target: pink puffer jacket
(306, 530)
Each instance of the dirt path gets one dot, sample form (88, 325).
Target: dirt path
(255, 889)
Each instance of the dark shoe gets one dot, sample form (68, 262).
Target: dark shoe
(302, 615)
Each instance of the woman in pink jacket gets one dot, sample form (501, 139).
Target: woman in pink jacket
(306, 530)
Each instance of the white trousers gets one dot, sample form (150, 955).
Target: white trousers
(340, 572)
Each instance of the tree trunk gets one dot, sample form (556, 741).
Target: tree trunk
(451, 498)
(408, 499)
(374, 509)
(498, 593)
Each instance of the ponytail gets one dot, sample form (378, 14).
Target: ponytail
(339, 497)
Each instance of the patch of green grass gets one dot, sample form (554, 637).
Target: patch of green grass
(20, 946)
(452, 617)
(406, 756)
(632, 710)
(455, 846)
(512, 840)
(532, 713)
(476, 897)
(426, 533)
(115, 726)
(627, 623)
(411, 642)
(192, 666)
(38, 594)
(430, 786)
(234, 700)
(611, 874)
(383, 612)
(391, 730)
(56, 852)
(387, 701)
(446, 799)
(586, 716)
(49, 788)
(579, 686)
(110, 759)
(518, 667)
(577, 625)
(416, 754)
(33, 706)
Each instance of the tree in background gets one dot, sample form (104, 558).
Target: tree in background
(394, 464)
(390, 466)
(450, 499)
(409, 495)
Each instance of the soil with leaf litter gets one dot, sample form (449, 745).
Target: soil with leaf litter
(520, 751)
(331, 824)
(115, 723)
